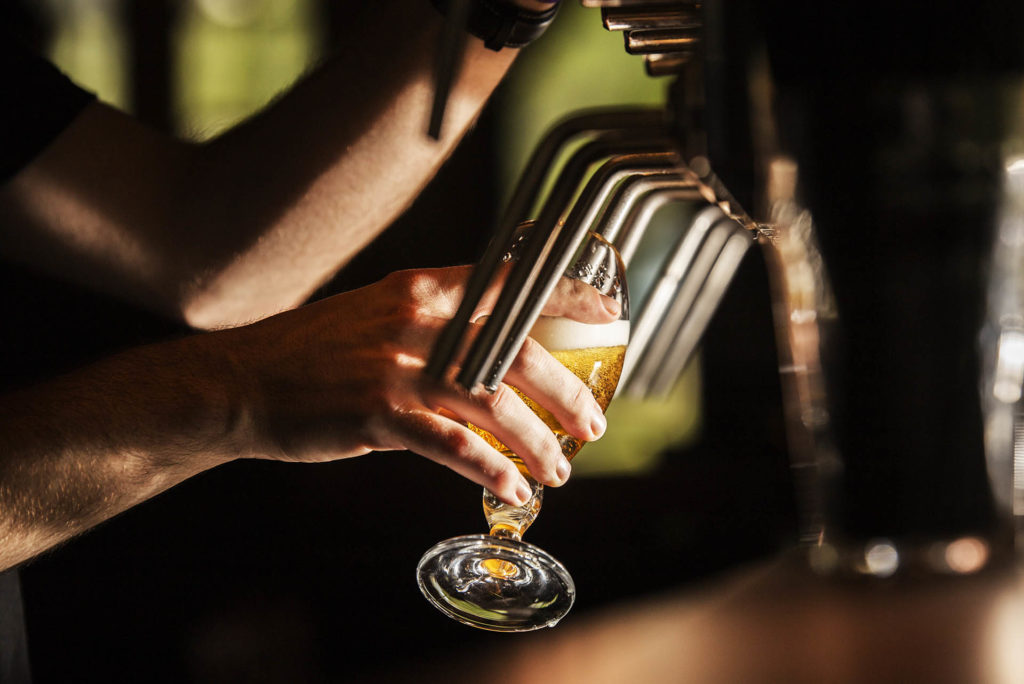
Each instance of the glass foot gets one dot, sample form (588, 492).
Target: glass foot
(502, 585)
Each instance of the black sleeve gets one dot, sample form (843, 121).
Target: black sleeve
(37, 102)
(14, 664)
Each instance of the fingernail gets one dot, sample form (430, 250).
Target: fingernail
(563, 469)
(523, 492)
(598, 424)
(611, 306)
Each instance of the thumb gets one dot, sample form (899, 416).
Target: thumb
(581, 302)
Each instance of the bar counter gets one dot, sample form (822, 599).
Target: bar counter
(778, 622)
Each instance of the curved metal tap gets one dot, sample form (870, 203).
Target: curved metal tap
(640, 170)
(691, 284)
(621, 223)
(549, 247)
(620, 131)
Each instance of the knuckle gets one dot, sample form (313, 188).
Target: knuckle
(503, 475)
(419, 284)
(543, 450)
(530, 359)
(414, 284)
(407, 324)
(401, 281)
(552, 451)
(391, 350)
(458, 443)
(407, 313)
(497, 402)
(579, 401)
(581, 398)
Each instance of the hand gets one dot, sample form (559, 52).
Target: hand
(342, 377)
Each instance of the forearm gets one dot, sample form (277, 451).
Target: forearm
(295, 192)
(85, 447)
(331, 380)
(252, 222)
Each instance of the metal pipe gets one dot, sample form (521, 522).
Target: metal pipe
(713, 288)
(628, 19)
(658, 41)
(669, 64)
(643, 214)
(577, 224)
(587, 122)
(619, 223)
(663, 292)
(668, 315)
(622, 122)
(529, 285)
(629, 192)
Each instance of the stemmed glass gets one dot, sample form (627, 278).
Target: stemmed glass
(497, 581)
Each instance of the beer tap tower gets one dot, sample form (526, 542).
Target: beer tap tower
(869, 161)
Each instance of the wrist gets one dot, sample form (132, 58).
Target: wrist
(217, 395)
(506, 23)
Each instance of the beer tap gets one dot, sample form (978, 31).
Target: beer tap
(665, 32)
(644, 168)
(691, 283)
(641, 170)
(692, 280)
(621, 223)
(548, 249)
(619, 131)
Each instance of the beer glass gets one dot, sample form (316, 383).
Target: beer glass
(497, 581)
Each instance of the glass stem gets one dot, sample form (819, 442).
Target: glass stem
(511, 522)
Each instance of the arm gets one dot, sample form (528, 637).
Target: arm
(335, 379)
(252, 222)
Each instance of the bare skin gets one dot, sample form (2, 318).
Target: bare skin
(331, 380)
(249, 224)
(237, 230)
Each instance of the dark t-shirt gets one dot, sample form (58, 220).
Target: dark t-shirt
(14, 667)
(37, 102)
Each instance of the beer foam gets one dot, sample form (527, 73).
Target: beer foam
(561, 334)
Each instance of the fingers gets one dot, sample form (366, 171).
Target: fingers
(581, 302)
(453, 445)
(542, 378)
(554, 393)
(570, 298)
(514, 424)
(439, 291)
(430, 297)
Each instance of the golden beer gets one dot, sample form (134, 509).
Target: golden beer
(594, 354)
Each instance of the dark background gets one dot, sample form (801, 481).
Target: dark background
(261, 571)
